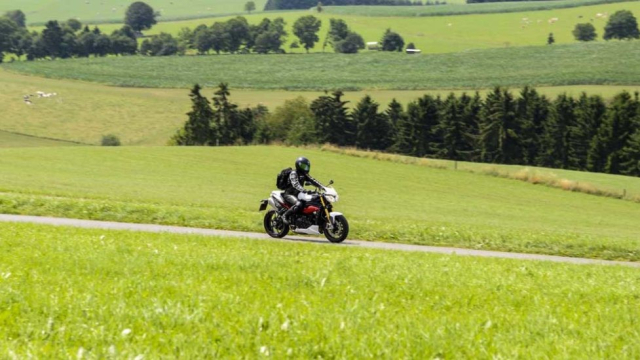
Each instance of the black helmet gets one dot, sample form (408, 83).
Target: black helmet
(303, 165)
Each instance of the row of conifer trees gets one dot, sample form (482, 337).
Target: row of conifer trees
(583, 133)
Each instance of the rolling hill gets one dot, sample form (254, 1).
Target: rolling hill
(222, 187)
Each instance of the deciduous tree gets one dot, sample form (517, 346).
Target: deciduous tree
(18, 17)
(140, 16)
(622, 25)
(249, 6)
(306, 29)
(52, 39)
(237, 33)
(585, 32)
(74, 24)
(392, 41)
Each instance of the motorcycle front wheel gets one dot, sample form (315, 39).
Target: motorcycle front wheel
(340, 230)
(274, 226)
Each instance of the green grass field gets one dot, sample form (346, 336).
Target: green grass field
(462, 8)
(99, 294)
(443, 34)
(40, 11)
(84, 112)
(612, 63)
(221, 188)
(609, 183)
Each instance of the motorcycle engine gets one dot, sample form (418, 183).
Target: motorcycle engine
(303, 223)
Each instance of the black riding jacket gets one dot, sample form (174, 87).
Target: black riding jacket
(297, 182)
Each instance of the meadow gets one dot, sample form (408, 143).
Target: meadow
(222, 187)
(84, 112)
(40, 11)
(100, 294)
(441, 34)
(462, 8)
(627, 187)
(612, 63)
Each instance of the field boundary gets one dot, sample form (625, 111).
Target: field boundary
(45, 138)
(108, 225)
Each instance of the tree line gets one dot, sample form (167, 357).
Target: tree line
(64, 40)
(584, 133)
(236, 35)
(622, 25)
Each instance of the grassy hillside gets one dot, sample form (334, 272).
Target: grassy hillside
(462, 8)
(99, 293)
(586, 64)
(10, 140)
(614, 184)
(85, 112)
(446, 33)
(40, 11)
(221, 188)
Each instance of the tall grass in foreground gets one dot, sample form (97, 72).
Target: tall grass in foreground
(526, 174)
(69, 293)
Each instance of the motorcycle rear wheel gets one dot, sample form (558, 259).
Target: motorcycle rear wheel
(340, 230)
(274, 226)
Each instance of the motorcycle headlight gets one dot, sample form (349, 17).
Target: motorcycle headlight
(332, 198)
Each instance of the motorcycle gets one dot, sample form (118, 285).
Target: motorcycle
(316, 218)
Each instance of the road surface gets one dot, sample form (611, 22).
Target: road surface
(107, 225)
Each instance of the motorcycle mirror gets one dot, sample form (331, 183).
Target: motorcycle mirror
(330, 182)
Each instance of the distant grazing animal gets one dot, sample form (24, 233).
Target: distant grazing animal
(45, 95)
(553, 20)
(449, 24)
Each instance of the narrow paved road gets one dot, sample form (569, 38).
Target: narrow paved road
(91, 224)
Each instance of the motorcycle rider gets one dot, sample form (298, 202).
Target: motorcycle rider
(297, 179)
